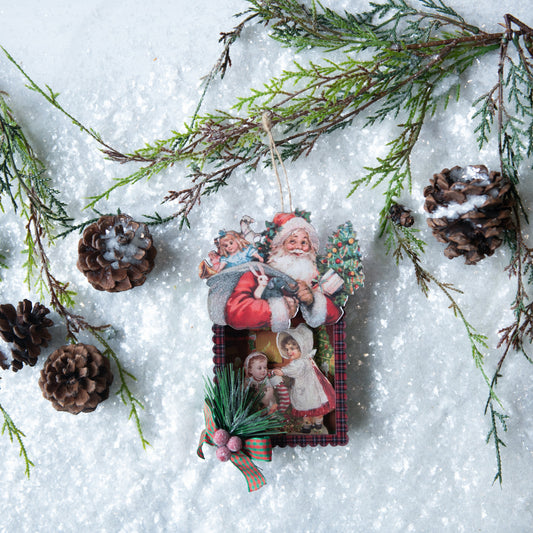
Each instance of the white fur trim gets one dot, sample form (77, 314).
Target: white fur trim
(315, 315)
(280, 314)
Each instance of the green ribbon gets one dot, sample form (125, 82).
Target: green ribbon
(259, 448)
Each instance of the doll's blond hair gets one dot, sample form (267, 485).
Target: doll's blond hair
(242, 243)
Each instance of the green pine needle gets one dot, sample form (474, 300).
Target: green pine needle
(15, 434)
(237, 407)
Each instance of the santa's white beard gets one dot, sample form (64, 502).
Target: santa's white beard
(300, 267)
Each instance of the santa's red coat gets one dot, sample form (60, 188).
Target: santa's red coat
(244, 311)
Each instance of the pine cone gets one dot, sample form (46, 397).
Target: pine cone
(27, 329)
(470, 209)
(116, 253)
(4, 362)
(401, 216)
(76, 378)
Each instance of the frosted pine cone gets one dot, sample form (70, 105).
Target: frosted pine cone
(76, 378)
(470, 209)
(116, 253)
(26, 328)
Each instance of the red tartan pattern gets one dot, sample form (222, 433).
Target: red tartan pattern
(340, 437)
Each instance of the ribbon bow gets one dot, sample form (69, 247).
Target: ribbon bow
(253, 448)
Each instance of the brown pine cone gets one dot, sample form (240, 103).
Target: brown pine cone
(27, 329)
(116, 253)
(76, 378)
(401, 216)
(470, 209)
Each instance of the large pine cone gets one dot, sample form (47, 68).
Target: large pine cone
(76, 378)
(116, 253)
(470, 209)
(27, 329)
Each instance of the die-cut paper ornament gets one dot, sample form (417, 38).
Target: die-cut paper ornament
(265, 284)
(274, 296)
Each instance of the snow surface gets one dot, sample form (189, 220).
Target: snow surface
(417, 458)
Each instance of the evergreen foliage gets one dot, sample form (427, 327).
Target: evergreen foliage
(237, 407)
(15, 434)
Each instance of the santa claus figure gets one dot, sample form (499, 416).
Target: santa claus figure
(256, 302)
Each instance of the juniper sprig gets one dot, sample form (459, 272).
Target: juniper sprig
(15, 434)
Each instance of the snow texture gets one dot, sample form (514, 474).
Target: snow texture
(417, 459)
(454, 209)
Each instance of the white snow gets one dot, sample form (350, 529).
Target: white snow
(454, 209)
(417, 459)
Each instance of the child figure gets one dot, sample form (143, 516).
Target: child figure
(312, 395)
(257, 374)
(234, 249)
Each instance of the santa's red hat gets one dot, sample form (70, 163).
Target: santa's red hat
(289, 223)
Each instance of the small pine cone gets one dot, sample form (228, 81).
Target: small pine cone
(470, 209)
(26, 328)
(4, 362)
(76, 378)
(401, 216)
(116, 253)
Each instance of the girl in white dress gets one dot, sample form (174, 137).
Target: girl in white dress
(312, 395)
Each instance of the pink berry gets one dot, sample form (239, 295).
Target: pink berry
(234, 444)
(223, 453)
(221, 437)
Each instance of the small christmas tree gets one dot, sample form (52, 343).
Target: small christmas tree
(343, 256)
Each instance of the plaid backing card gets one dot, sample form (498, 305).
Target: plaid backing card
(222, 334)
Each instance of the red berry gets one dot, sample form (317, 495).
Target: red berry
(223, 453)
(338, 261)
(221, 437)
(234, 444)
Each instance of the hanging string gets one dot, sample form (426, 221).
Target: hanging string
(267, 126)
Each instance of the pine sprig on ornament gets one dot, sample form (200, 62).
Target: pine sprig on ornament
(237, 408)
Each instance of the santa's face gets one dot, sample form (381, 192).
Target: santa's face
(297, 243)
(296, 257)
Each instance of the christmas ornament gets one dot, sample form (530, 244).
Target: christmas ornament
(470, 208)
(26, 328)
(267, 290)
(267, 282)
(116, 253)
(76, 378)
